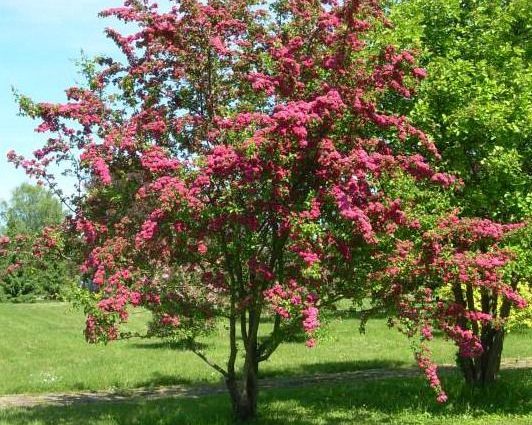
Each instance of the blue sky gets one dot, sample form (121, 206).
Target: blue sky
(39, 43)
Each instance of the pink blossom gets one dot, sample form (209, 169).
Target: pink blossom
(310, 319)
(309, 257)
(426, 332)
(310, 343)
(202, 248)
(219, 45)
(170, 320)
(102, 171)
(419, 73)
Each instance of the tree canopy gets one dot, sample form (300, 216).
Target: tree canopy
(477, 102)
(29, 210)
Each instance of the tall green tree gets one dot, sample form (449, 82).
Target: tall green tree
(477, 105)
(30, 209)
(477, 101)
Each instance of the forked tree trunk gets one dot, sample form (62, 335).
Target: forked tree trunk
(484, 369)
(244, 391)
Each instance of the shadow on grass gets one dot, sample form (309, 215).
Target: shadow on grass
(165, 345)
(330, 367)
(158, 379)
(340, 313)
(161, 380)
(398, 400)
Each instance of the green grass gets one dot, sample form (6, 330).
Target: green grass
(393, 401)
(42, 350)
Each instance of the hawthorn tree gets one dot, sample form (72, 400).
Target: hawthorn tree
(230, 170)
(461, 257)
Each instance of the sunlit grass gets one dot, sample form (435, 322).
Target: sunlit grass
(42, 349)
(392, 401)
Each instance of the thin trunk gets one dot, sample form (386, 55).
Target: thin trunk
(466, 365)
(244, 393)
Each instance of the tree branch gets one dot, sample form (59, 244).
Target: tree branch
(209, 362)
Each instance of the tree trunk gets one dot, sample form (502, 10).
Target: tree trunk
(490, 359)
(484, 369)
(244, 394)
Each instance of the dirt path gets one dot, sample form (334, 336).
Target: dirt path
(186, 391)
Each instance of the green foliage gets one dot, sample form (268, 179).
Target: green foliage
(522, 319)
(31, 209)
(31, 283)
(477, 101)
(520, 271)
(477, 105)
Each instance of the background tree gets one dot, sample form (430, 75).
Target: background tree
(30, 210)
(231, 171)
(476, 104)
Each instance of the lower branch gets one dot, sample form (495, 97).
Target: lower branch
(209, 362)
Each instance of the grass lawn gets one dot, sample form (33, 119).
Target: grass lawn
(42, 350)
(393, 401)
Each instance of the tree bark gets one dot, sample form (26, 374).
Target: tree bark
(244, 392)
(483, 370)
(490, 360)
(244, 397)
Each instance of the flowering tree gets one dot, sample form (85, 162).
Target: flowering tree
(458, 255)
(229, 169)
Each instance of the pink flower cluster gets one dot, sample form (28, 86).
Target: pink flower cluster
(431, 372)
(170, 320)
(290, 301)
(95, 331)
(148, 229)
(468, 343)
(156, 160)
